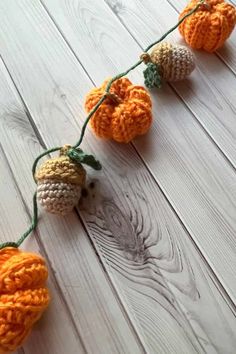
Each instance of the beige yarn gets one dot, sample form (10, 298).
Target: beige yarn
(58, 197)
(175, 61)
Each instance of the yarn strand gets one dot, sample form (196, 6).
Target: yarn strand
(78, 143)
(27, 232)
(194, 9)
(46, 152)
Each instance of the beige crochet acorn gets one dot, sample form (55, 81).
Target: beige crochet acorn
(176, 62)
(60, 181)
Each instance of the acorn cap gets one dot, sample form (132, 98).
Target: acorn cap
(62, 168)
(161, 52)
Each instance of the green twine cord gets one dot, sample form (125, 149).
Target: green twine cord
(102, 99)
(46, 152)
(30, 229)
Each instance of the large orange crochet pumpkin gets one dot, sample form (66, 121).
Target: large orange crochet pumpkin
(123, 115)
(210, 26)
(23, 295)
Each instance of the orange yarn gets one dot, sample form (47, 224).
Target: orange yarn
(210, 26)
(122, 116)
(23, 295)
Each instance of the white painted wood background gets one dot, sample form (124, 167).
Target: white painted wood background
(147, 264)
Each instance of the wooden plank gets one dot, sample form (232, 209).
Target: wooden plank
(48, 335)
(228, 52)
(190, 170)
(161, 279)
(83, 303)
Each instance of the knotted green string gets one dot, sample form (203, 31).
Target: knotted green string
(77, 154)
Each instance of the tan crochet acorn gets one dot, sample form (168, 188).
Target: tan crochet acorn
(60, 181)
(168, 62)
(176, 61)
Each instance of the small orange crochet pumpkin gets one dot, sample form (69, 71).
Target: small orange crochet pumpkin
(23, 295)
(125, 113)
(210, 26)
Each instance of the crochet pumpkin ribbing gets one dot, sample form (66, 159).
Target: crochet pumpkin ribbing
(23, 297)
(60, 181)
(125, 114)
(210, 26)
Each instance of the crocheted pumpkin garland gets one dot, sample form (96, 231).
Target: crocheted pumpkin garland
(210, 26)
(167, 62)
(125, 114)
(117, 110)
(24, 295)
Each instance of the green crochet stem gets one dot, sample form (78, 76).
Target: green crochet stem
(102, 99)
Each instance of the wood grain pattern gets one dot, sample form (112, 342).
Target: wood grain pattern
(179, 154)
(162, 280)
(228, 52)
(157, 262)
(84, 305)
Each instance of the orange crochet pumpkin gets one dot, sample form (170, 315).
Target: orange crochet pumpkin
(23, 295)
(125, 114)
(210, 26)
